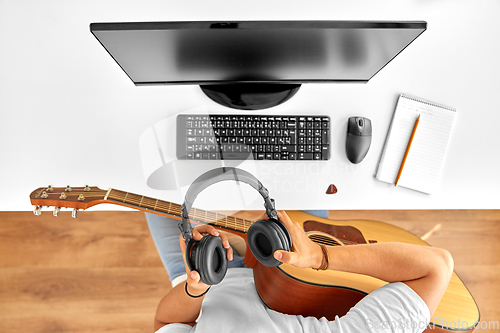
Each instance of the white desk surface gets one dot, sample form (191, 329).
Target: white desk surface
(69, 115)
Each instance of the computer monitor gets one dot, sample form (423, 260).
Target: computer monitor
(254, 64)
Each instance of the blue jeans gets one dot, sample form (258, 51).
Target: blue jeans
(165, 234)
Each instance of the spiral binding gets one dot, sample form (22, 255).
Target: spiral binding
(421, 100)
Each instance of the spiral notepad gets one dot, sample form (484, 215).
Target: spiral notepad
(424, 162)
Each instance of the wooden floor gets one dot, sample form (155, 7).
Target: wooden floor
(101, 272)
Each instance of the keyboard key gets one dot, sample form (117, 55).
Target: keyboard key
(289, 148)
(325, 136)
(305, 156)
(234, 156)
(325, 152)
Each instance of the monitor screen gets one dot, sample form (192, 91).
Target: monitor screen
(254, 51)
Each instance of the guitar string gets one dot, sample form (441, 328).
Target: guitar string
(200, 215)
(147, 202)
(161, 206)
(143, 202)
(237, 223)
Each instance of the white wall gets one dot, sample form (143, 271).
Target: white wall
(70, 116)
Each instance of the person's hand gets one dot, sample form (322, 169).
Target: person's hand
(195, 286)
(304, 252)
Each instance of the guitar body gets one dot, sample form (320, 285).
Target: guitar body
(285, 288)
(308, 292)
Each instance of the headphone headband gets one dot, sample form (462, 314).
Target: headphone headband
(215, 176)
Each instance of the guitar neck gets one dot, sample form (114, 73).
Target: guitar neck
(85, 197)
(171, 209)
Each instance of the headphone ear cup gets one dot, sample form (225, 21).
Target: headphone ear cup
(287, 238)
(190, 254)
(209, 259)
(264, 238)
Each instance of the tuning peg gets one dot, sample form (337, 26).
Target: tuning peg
(68, 189)
(74, 213)
(86, 188)
(38, 210)
(56, 211)
(49, 188)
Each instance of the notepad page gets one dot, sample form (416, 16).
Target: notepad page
(397, 140)
(423, 166)
(422, 169)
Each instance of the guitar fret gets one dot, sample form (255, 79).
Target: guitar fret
(211, 217)
(238, 223)
(159, 209)
(154, 208)
(140, 203)
(176, 208)
(125, 197)
(117, 195)
(219, 223)
(198, 214)
(147, 202)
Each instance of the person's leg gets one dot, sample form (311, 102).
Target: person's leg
(318, 213)
(165, 234)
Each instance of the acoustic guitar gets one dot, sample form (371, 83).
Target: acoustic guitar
(285, 288)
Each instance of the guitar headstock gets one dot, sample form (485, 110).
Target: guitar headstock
(66, 197)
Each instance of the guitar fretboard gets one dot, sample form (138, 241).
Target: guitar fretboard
(168, 208)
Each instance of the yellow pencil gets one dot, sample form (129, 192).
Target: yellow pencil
(407, 150)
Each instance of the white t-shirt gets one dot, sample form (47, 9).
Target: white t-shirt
(234, 306)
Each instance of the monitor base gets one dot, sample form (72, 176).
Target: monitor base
(250, 96)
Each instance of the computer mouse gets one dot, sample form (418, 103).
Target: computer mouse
(359, 138)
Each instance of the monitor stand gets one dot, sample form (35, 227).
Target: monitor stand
(250, 96)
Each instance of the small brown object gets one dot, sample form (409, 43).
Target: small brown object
(332, 189)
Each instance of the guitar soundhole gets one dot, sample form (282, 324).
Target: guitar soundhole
(323, 239)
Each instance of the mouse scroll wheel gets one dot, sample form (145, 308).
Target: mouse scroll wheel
(360, 122)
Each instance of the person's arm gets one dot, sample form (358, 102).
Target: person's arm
(177, 306)
(427, 270)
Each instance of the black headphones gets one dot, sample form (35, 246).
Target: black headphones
(207, 256)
